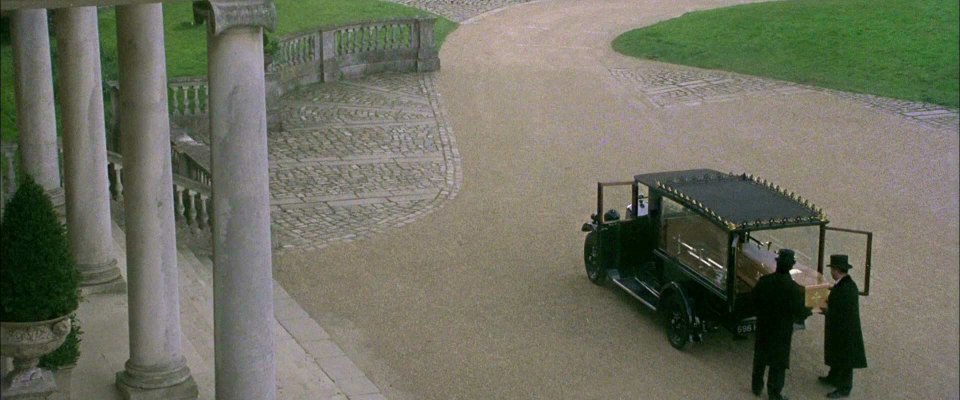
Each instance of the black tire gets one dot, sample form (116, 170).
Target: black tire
(591, 259)
(677, 320)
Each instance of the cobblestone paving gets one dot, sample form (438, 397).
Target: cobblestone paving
(678, 86)
(459, 10)
(355, 158)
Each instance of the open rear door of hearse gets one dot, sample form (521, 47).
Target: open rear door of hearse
(856, 244)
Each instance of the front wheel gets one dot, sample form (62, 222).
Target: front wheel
(591, 259)
(678, 323)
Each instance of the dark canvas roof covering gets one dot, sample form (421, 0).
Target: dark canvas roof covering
(739, 202)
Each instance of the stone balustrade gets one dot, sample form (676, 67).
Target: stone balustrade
(191, 179)
(324, 54)
(188, 96)
(191, 184)
(351, 51)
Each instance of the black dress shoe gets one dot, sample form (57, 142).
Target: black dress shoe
(826, 380)
(837, 394)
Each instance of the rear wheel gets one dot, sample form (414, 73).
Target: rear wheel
(678, 323)
(591, 259)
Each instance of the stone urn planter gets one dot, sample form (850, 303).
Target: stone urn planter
(26, 342)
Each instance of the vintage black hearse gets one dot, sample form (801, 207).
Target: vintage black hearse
(692, 244)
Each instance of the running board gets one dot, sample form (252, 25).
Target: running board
(638, 290)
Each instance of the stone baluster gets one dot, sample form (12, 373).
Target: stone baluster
(185, 101)
(174, 160)
(201, 205)
(177, 202)
(300, 50)
(243, 277)
(354, 40)
(116, 181)
(174, 99)
(189, 207)
(208, 206)
(36, 119)
(119, 177)
(85, 150)
(197, 106)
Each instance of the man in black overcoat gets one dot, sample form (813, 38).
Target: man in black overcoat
(778, 301)
(843, 339)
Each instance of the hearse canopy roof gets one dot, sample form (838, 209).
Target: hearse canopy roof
(738, 202)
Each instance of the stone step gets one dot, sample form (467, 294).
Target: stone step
(196, 323)
(303, 350)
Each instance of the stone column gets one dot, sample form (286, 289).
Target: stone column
(36, 119)
(85, 152)
(242, 273)
(157, 368)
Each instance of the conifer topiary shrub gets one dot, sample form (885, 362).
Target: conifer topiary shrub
(39, 280)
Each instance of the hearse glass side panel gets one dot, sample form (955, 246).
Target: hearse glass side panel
(695, 241)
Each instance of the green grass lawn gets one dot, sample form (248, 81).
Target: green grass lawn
(906, 49)
(186, 43)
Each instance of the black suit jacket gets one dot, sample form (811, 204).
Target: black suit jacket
(843, 338)
(778, 301)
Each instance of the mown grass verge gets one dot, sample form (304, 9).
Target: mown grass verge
(905, 49)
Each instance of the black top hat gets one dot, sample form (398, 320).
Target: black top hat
(839, 261)
(785, 257)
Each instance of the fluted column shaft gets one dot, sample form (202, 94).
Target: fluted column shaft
(157, 367)
(36, 118)
(85, 151)
(242, 282)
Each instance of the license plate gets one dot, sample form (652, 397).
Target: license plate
(745, 327)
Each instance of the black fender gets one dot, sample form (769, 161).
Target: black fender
(674, 289)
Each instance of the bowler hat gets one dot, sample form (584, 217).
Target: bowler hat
(786, 256)
(839, 261)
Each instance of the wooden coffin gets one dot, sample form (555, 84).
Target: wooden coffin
(754, 262)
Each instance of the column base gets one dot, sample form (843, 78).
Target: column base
(102, 278)
(186, 390)
(138, 383)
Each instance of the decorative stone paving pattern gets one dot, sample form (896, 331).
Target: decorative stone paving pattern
(925, 113)
(356, 158)
(672, 87)
(333, 178)
(308, 116)
(361, 95)
(459, 10)
(667, 87)
(332, 143)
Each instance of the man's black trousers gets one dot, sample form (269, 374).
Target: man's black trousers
(775, 377)
(842, 378)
